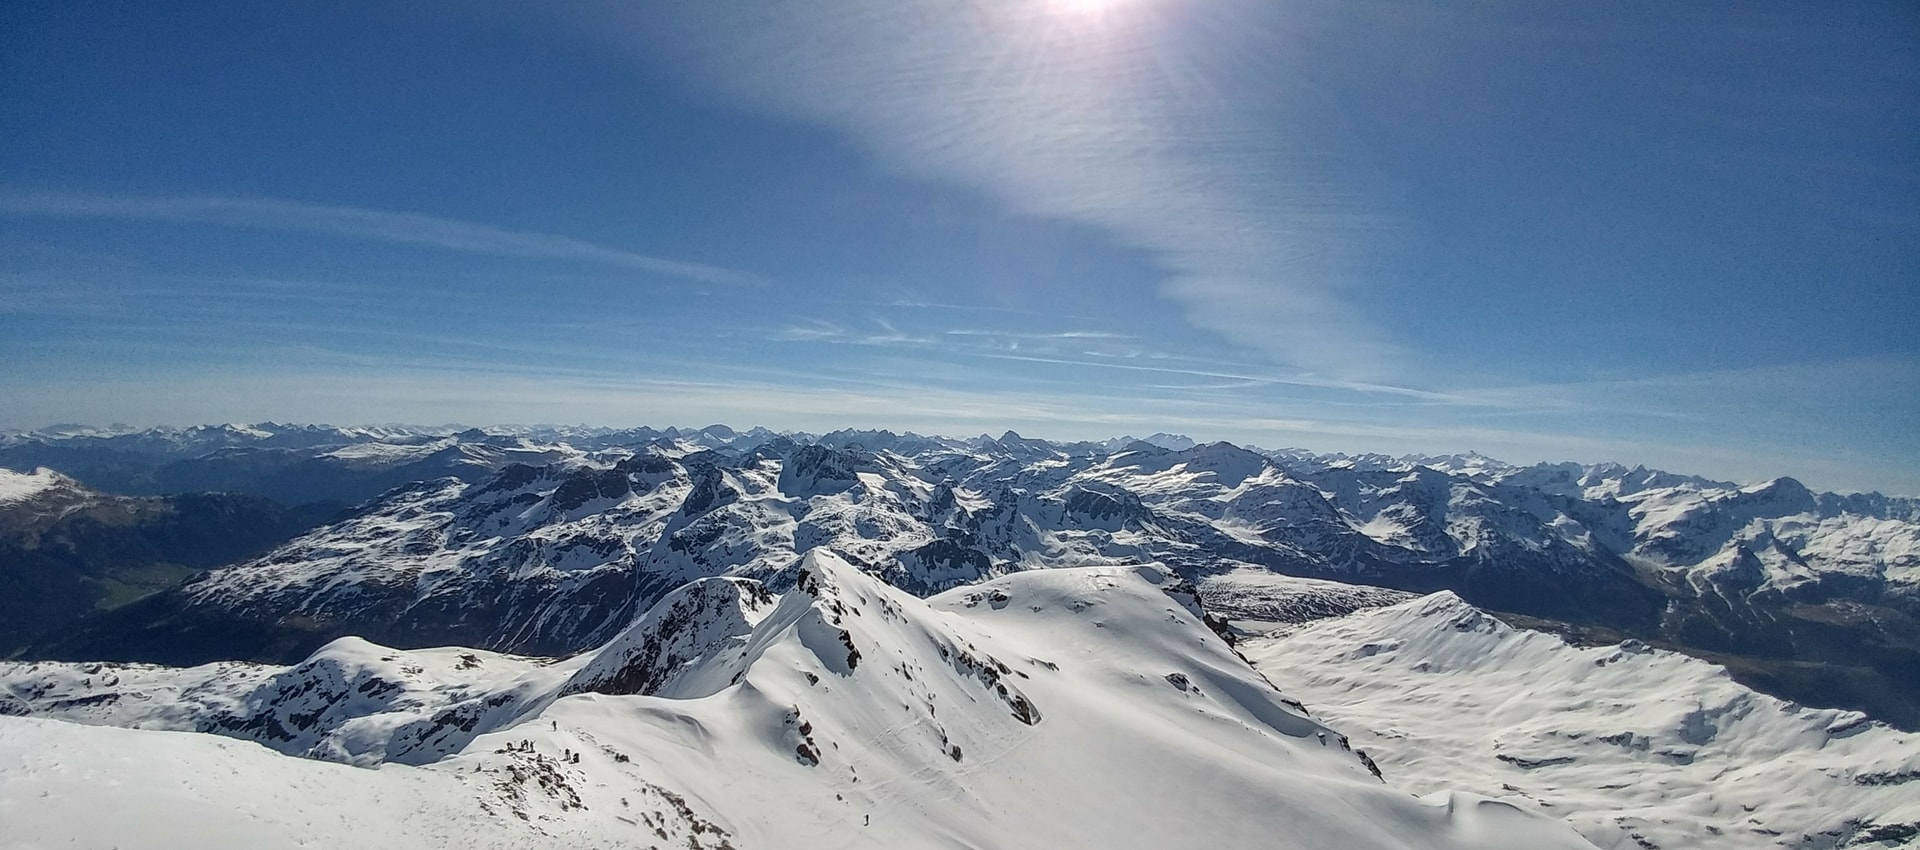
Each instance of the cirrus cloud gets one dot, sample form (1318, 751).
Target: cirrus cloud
(403, 228)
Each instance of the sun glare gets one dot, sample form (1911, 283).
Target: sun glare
(1085, 7)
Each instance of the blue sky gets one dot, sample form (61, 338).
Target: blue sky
(1645, 232)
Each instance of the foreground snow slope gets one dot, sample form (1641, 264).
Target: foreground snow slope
(64, 785)
(1635, 747)
(1070, 708)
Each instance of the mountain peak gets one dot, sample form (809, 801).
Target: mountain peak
(22, 486)
(663, 652)
(814, 469)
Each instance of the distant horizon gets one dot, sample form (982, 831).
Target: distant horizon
(452, 428)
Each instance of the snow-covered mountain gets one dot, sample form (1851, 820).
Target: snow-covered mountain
(547, 540)
(1073, 708)
(1634, 746)
(711, 638)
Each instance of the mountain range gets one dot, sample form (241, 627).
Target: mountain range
(713, 638)
(549, 540)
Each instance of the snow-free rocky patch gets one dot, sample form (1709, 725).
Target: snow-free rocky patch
(1067, 708)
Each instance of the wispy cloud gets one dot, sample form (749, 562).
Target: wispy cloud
(1122, 120)
(402, 228)
(1735, 400)
(912, 304)
(823, 331)
(1079, 349)
(1051, 335)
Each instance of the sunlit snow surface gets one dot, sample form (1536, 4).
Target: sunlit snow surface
(20, 486)
(1635, 747)
(1265, 602)
(1066, 708)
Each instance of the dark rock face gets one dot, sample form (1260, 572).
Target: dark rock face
(591, 485)
(817, 470)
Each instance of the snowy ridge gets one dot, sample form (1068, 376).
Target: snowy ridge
(1263, 602)
(21, 486)
(1637, 748)
(850, 715)
(676, 649)
(352, 702)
